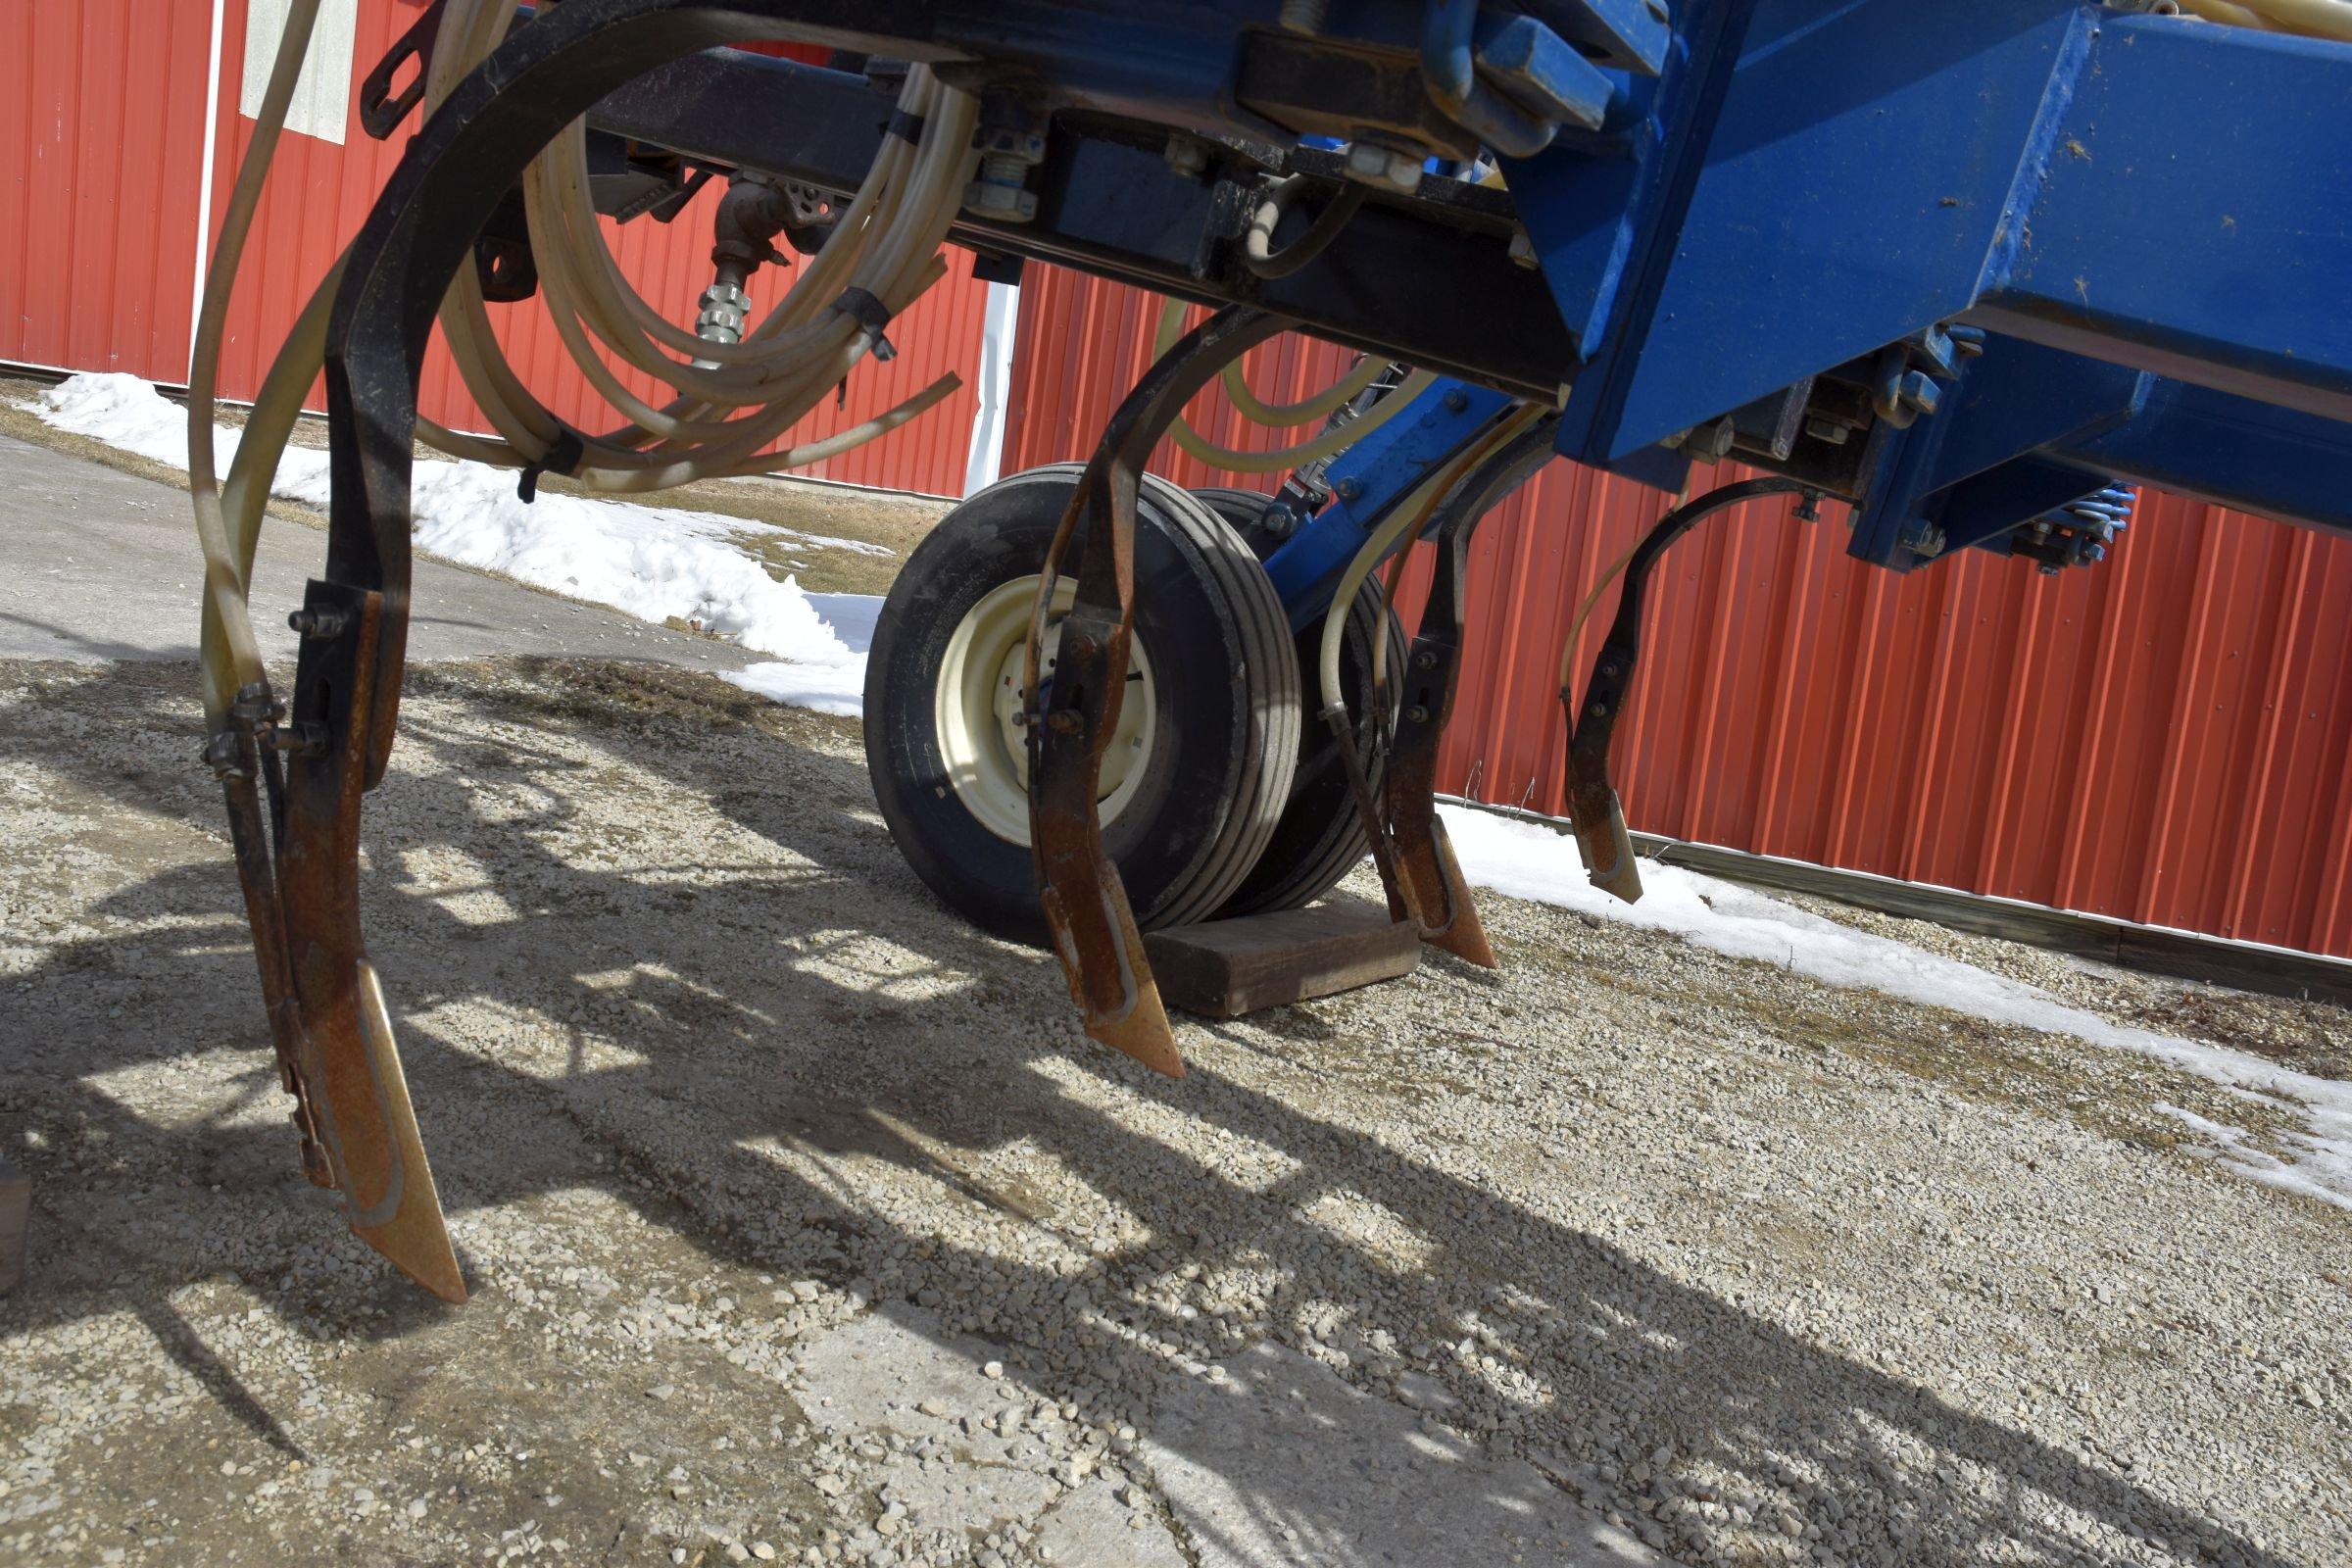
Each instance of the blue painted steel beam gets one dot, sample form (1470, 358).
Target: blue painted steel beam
(1812, 179)
(2233, 451)
(2031, 428)
(1367, 482)
(2196, 214)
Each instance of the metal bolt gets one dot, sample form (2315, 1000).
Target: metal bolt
(1456, 400)
(1385, 167)
(1187, 156)
(1064, 722)
(308, 738)
(725, 309)
(328, 622)
(1922, 541)
(1919, 390)
(1829, 430)
(1425, 660)
(1348, 489)
(1417, 714)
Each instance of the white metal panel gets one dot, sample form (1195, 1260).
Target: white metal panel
(322, 94)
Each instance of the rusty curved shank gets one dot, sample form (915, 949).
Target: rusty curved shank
(1084, 902)
(1430, 879)
(1592, 806)
(326, 1003)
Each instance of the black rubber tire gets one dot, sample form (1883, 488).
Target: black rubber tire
(1320, 838)
(1224, 743)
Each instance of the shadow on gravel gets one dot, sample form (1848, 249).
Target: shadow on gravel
(726, 1054)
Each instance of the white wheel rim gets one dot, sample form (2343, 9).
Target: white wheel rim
(979, 709)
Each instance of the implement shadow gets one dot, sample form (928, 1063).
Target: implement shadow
(671, 900)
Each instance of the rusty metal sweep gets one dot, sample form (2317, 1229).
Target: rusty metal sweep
(1430, 879)
(1084, 902)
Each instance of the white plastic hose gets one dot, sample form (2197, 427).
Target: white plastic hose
(733, 403)
(233, 658)
(2316, 18)
(1328, 444)
(1402, 523)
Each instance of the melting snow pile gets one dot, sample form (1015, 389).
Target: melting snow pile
(653, 562)
(1528, 861)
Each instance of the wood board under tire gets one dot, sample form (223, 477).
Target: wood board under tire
(16, 1215)
(1230, 967)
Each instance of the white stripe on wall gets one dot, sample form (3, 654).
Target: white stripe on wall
(999, 323)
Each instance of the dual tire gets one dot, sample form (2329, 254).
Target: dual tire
(1221, 792)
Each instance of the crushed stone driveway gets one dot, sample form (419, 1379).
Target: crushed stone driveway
(804, 1225)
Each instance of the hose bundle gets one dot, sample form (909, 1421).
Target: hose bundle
(882, 253)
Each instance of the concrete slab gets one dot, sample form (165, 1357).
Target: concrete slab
(1093, 1528)
(98, 565)
(1287, 1465)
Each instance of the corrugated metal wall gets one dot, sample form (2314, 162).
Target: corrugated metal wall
(102, 111)
(2167, 738)
(102, 135)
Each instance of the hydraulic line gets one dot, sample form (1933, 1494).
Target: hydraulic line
(2314, 19)
(233, 660)
(1402, 523)
(1328, 444)
(1258, 246)
(884, 245)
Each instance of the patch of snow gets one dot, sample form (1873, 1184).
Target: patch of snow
(1528, 861)
(654, 562)
(852, 616)
(827, 688)
(814, 541)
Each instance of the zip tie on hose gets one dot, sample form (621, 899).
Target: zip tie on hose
(562, 456)
(872, 314)
(908, 127)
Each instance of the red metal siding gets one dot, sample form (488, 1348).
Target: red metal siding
(2165, 738)
(101, 137)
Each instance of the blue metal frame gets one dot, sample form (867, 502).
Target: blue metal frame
(2149, 216)
(1367, 482)
(2145, 219)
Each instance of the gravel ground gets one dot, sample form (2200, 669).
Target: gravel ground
(804, 1225)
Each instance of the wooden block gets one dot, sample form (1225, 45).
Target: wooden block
(16, 1210)
(1229, 967)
